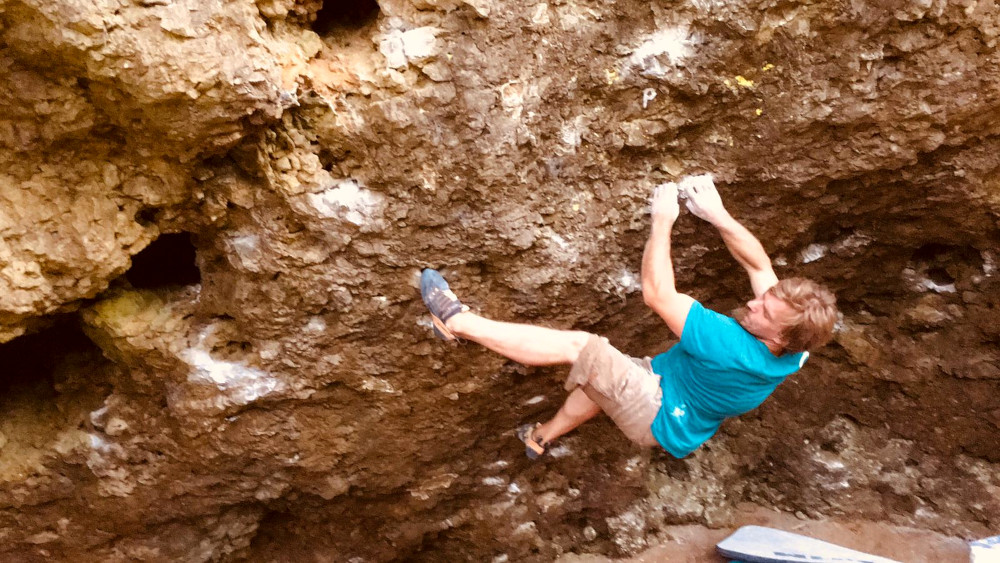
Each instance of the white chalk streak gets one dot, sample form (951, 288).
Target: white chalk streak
(348, 201)
(672, 42)
(239, 384)
(813, 252)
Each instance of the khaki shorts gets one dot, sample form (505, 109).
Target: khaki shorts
(626, 388)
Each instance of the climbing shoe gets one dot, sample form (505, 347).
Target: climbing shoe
(441, 302)
(533, 445)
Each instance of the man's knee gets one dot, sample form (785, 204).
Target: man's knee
(577, 342)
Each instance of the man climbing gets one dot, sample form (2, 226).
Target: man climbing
(721, 367)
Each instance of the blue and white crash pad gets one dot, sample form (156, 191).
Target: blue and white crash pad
(757, 544)
(986, 550)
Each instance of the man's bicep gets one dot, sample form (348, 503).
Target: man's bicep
(674, 311)
(762, 280)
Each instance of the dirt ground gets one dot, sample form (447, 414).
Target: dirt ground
(696, 544)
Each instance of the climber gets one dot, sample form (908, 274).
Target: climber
(721, 367)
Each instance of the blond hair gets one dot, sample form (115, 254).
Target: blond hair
(814, 312)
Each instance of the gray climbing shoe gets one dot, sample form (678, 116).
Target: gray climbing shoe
(534, 447)
(441, 301)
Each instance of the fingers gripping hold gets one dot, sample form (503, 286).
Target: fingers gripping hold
(664, 201)
(703, 199)
(696, 184)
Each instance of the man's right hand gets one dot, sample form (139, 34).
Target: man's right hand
(703, 199)
(663, 204)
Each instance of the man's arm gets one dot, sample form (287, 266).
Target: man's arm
(659, 290)
(749, 253)
(704, 201)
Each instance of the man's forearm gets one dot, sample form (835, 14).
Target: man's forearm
(657, 266)
(742, 244)
(705, 202)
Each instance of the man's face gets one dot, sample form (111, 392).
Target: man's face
(764, 317)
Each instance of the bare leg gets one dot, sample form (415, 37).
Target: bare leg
(534, 346)
(528, 344)
(577, 409)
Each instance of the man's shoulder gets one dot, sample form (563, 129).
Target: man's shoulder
(697, 307)
(701, 313)
(719, 339)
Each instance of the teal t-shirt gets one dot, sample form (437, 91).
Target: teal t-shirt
(716, 371)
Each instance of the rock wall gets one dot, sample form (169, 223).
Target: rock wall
(214, 214)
